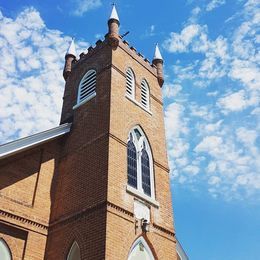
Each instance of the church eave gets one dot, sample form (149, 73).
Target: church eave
(28, 142)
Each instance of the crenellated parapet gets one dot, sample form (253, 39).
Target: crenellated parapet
(115, 40)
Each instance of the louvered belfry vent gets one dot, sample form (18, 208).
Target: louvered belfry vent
(87, 87)
(130, 84)
(145, 94)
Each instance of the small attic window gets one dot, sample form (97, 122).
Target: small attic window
(130, 83)
(145, 95)
(87, 86)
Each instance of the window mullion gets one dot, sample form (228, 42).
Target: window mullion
(139, 171)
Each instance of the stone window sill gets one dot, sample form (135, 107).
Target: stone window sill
(138, 104)
(142, 196)
(85, 100)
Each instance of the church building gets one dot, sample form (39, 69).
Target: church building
(97, 186)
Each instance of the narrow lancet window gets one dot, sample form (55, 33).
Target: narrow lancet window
(139, 164)
(146, 182)
(131, 164)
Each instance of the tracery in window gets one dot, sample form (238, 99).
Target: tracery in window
(140, 250)
(5, 253)
(74, 253)
(140, 163)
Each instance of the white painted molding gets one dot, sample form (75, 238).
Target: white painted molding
(138, 104)
(141, 240)
(85, 100)
(33, 140)
(142, 196)
(180, 251)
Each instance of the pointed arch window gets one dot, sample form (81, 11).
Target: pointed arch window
(130, 83)
(145, 94)
(87, 86)
(131, 163)
(5, 253)
(146, 178)
(74, 253)
(140, 250)
(140, 163)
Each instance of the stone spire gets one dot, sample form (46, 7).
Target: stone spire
(158, 62)
(69, 58)
(114, 14)
(157, 53)
(113, 28)
(72, 49)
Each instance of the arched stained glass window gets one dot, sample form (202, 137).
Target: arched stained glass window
(140, 163)
(74, 253)
(5, 253)
(140, 251)
(146, 181)
(131, 164)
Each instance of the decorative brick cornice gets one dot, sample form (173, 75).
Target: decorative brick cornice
(118, 208)
(20, 219)
(164, 230)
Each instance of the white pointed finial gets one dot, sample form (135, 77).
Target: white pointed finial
(72, 49)
(114, 14)
(157, 53)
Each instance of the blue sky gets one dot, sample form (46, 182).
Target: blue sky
(211, 98)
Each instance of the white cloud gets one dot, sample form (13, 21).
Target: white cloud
(214, 180)
(246, 136)
(222, 122)
(83, 6)
(237, 101)
(175, 123)
(192, 169)
(171, 90)
(210, 144)
(214, 4)
(180, 42)
(194, 15)
(31, 80)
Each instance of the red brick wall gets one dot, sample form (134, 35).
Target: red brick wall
(25, 200)
(75, 188)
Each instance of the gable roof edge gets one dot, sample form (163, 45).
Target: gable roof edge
(25, 143)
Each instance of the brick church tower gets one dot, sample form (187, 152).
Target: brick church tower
(103, 189)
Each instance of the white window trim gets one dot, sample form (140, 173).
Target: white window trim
(141, 240)
(142, 196)
(138, 104)
(7, 250)
(85, 100)
(139, 146)
(75, 244)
